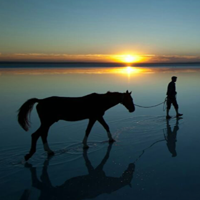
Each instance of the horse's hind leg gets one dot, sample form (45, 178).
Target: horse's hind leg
(34, 137)
(47, 120)
(45, 142)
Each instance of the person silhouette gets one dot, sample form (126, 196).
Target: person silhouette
(171, 97)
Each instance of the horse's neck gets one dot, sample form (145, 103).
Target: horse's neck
(113, 100)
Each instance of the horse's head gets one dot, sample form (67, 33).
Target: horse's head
(127, 101)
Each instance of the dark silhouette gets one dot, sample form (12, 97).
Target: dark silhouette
(25, 195)
(87, 186)
(171, 138)
(52, 109)
(171, 97)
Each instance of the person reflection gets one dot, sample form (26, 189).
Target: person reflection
(81, 187)
(171, 137)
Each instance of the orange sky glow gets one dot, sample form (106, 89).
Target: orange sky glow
(107, 58)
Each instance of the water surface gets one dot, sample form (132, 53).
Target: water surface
(151, 159)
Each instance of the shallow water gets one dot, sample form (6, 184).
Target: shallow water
(151, 159)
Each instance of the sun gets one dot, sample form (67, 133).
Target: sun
(131, 58)
(128, 58)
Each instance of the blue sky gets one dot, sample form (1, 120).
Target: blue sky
(106, 27)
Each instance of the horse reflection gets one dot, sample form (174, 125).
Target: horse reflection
(53, 109)
(25, 195)
(171, 137)
(87, 186)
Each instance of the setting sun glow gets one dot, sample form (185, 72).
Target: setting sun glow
(130, 58)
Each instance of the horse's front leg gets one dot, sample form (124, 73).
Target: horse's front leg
(89, 127)
(103, 123)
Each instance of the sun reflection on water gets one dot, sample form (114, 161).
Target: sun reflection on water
(129, 70)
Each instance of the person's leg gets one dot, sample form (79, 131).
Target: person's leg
(168, 108)
(175, 104)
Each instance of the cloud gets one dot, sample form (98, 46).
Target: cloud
(58, 57)
(171, 58)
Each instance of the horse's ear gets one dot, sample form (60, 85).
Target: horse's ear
(127, 92)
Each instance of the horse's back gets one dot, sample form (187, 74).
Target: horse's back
(72, 102)
(71, 108)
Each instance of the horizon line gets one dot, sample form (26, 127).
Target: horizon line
(103, 63)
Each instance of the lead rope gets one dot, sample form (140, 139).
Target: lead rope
(164, 102)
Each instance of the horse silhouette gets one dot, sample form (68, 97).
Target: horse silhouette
(87, 186)
(53, 109)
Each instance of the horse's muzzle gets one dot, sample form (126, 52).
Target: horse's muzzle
(132, 110)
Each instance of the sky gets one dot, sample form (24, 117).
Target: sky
(100, 31)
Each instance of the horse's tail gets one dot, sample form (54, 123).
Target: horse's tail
(24, 113)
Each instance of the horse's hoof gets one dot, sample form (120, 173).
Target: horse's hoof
(111, 140)
(26, 157)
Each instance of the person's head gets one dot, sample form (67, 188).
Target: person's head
(174, 78)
